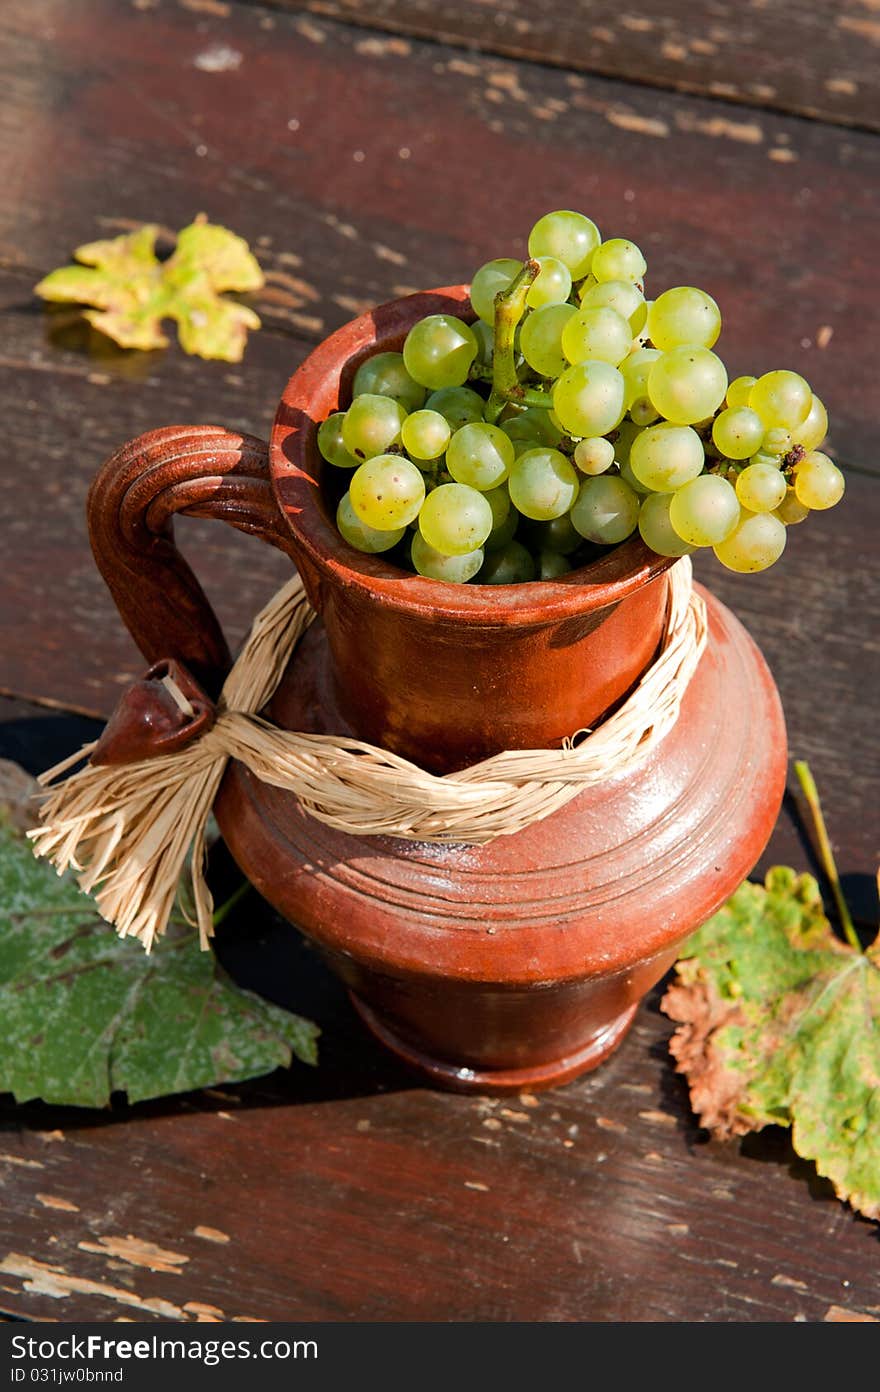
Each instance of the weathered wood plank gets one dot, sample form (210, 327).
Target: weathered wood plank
(817, 60)
(361, 172)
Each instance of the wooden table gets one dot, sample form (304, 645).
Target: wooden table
(367, 150)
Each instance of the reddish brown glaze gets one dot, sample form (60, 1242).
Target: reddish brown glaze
(149, 721)
(490, 968)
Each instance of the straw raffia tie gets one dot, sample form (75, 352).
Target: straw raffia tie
(126, 829)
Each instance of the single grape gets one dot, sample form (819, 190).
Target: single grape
(480, 455)
(656, 529)
(705, 511)
(534, 423)
(387, 492)
(455, 519)
(626, 473)
(485, 336)
(624, 436)
(570, 237)
(596, 335)
(776, 441)
(755, 543)
(818, 483)
(458, 405)
(594, 455)
(511, 565)
(606, 510)
(687, 384)
(740, 390)
(635, 370)
(552, 285)
(499, 501)
(425, 434)
(540, 339)
(813, 430)
(625, 298)
(618, 259)
(359, 535)
(683, 316)
(435, 565)
(666, 457)
(781, 398)
(438, 351)
(761, 488)
(556, 535)
(488, 281)
(505, 519)
(642, 411)
(331, 444)
(588, 398)
(791, 510)
(542, 484)
(551, 565)
(385, 374)
(371, 424)
(738, 432)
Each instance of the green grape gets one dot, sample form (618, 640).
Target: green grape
(371, 424)
(791, 510)
(387, 492)
(542, 484)
(588, 399)
(625, 298)
(761, 488)
(385, 374)
(666, 457)
(455, 519)
(606, 510)
(485, 336)
(505, 519)
(425, 434)
(656, 529)
(556, 535)
(596, 335)
(540, 339)
(551, 565)
(570, 237)
(488, 281)
(480, 455)
(499, 501)
(740, 390)
(438, 351)
(684, 316)
(634, 371)
(594, 455)
(533, 424)
(761, 458)
(705, 511)
(755, 543)
(618, 259)
(738, 432)
(436, 565)
(687, 385)
(818, 483)
(552, 285)
(359, 535)
(776, 441)
(627, 432)
(814, 429)
(511, 565)
(459, 405)
(781, 398)
(331, 444)
(626, 473)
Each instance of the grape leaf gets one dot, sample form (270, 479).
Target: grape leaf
(83, 1015)
(779, 1024)
(132, 291)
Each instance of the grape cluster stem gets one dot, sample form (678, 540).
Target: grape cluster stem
(510, 306)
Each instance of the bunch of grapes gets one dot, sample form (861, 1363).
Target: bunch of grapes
(571, 413)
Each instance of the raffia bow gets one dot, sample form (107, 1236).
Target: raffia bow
(127, 828)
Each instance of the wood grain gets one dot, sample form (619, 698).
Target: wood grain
(817, 60)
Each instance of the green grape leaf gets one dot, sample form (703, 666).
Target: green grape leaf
(83, 1015)
(132, 291)
(779, 1024)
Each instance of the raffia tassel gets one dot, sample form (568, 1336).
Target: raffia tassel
(127, 829)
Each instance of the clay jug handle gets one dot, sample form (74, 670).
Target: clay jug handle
(200, 470)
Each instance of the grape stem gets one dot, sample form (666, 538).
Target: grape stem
(826, 854)
(510, 306)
